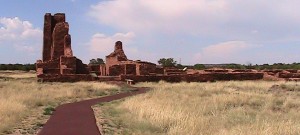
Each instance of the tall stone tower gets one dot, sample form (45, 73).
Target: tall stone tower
(58, 62)
(57, 40)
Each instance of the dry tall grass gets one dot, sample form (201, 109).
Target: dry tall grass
(232, 108)
(19, 96)
(17, 74)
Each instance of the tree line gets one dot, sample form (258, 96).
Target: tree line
(256, 66)
(24, 67)
(170, 62)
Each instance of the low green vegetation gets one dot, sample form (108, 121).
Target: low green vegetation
(49, 110)
(170, 62)
(167, 62)
(97, 61)
(199, 66)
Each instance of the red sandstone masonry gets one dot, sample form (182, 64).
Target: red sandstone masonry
(60, 31)
(289, 75)
(47, 37)
(58, 62)
(67, 65)
(67, 46)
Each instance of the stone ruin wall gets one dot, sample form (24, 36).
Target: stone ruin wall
(282, 75)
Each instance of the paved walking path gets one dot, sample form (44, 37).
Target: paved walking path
(78, 118)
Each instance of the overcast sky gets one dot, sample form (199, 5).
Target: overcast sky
(195, 31)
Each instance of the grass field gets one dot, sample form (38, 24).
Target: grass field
(227, 108)
(21, 97)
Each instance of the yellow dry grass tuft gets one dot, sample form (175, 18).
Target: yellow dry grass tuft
(235, 107)
(19, 96)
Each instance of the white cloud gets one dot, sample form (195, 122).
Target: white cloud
(245, 24)
(229, 19)
(226, 52)
(25, 48)
(20, 34)
(142, 15)
(226, 48)
(101, 45)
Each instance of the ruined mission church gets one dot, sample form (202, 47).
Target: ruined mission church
(58, 63)
(58, 60)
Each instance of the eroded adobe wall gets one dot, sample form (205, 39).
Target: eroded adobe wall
(146, 69)
(116, 70)
(130, 69)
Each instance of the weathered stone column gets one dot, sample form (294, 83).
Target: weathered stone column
(47, 39)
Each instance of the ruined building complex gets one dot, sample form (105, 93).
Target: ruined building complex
(59, 64)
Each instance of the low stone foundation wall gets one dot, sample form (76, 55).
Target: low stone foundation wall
(65, 78)
(206, 77)
(289, 75)
(108, 78)
(196, 77)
